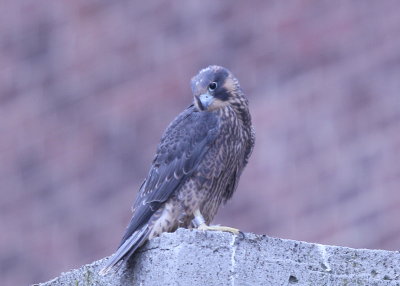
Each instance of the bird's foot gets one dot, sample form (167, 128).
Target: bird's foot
(205, 227)
(200, 223)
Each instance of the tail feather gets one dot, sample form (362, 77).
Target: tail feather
(126, 249)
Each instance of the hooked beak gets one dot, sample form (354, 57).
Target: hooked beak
(204, 100)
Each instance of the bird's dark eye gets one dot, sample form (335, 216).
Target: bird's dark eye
(212, 86)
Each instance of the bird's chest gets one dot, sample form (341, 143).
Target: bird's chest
(231, 138)
(227, 152)
(227, 147)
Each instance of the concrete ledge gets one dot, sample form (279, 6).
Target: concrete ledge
(191, 257)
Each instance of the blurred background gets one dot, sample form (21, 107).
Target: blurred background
(88, 87)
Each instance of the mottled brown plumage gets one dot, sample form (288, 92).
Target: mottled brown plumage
(197, 165)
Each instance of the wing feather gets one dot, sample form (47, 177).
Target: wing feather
(182, 147)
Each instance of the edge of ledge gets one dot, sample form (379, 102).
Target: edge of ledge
(195, 257)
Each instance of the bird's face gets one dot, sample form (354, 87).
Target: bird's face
(214, 87)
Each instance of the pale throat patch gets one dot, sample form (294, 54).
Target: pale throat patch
(218, 103)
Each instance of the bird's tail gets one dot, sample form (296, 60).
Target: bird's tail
(126, 249)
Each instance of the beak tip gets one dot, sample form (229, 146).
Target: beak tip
(205, 99)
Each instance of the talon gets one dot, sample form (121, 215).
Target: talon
(201, 225)
(219, 228)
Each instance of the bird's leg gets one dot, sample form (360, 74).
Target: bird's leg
(200, 223)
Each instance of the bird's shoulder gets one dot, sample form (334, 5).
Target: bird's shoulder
(190, 129)
(183, 145)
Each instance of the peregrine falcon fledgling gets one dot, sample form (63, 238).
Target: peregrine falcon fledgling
(197, 165)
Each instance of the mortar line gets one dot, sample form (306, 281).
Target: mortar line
(233, 261)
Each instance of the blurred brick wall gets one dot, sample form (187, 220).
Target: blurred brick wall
(87, 88)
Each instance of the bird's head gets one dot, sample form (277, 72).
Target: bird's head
(215, 87)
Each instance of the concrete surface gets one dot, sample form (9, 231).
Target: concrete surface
(191, 257)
